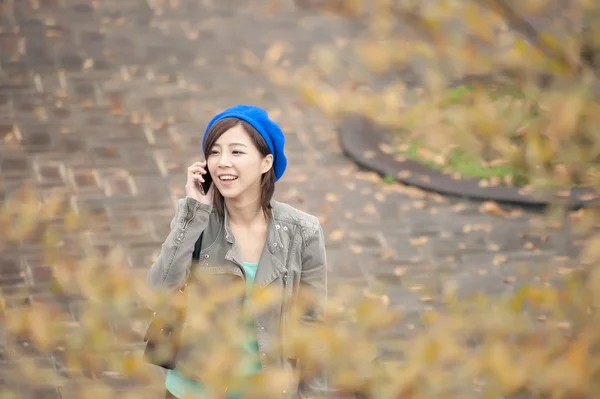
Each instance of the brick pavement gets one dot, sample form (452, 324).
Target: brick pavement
(105, 102)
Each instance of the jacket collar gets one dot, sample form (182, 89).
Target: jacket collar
(274, 241)
(273, 257)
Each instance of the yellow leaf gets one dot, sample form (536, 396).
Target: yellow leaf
(499, 259)
(337, 235)
(369, 154)
(250, 59)
(478, 23)
(376, 54)
(386, 148)
(509, 374)
(356, 249)
(331, 197)
(274, 53)
(419, 241)
(491, 208)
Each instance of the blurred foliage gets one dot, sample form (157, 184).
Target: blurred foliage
(541, 340)
(89, 312)
(545, 52)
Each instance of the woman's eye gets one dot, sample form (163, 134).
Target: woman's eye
(237, 152)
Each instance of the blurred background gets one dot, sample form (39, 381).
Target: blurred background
(449, 148)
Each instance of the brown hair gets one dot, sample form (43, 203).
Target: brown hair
(267, 184)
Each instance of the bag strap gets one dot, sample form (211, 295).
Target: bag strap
(195, 259)
(197, 248)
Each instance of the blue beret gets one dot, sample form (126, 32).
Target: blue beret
(269, 130)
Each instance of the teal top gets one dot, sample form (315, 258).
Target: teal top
(181, 386)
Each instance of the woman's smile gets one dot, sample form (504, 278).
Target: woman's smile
(227, 179)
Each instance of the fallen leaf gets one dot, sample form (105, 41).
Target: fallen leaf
(346, 171)
(386, 148)
(499, 259)
(419, 204)
(400, 271)
(514, 213)
(337, 235)
(250, 59)
(418, 241)
(369, 154)
(493, 247)
(274, 53)
(415, 287)
(88, 64)
(494, 181)
(492, 208)
(403, 174)
(356, 249)
(565, 270)
(369, 209)
(563, 324)
(386, 254)
(331, 197)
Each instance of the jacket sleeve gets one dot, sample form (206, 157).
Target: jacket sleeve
(313, 282)
(172, 266)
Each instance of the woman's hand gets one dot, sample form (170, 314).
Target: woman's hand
(194, 179)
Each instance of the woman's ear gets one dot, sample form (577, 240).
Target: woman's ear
(267, 163)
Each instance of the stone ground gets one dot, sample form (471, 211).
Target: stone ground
(106, 102)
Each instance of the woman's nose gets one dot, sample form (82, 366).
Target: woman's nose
(224, 161)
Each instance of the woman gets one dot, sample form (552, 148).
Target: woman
(246, 233)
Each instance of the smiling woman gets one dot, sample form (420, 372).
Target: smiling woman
(238, 232)
(240, 161)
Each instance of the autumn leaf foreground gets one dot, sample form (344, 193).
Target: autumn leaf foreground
(539, 341)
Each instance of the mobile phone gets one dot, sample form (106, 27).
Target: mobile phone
(207, 182)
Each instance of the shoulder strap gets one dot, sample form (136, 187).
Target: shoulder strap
(195, 259)
(197, 248)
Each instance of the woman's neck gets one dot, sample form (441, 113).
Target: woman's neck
(245, 213)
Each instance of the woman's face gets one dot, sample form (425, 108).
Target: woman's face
(236, 165)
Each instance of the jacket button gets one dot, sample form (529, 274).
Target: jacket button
(277, 226)
(285, 228)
